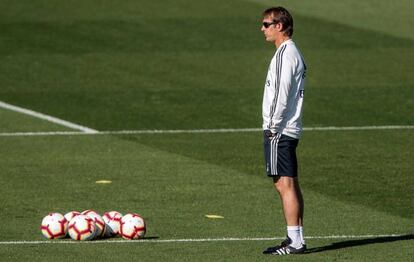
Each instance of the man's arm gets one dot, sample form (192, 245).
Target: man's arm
(283, 86)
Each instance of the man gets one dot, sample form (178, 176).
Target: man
(282, 127)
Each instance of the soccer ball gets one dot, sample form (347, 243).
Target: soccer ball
(54, 226)
(82, 227)
(71, 215)
(113, 223)
(99, 222)
(132, 226)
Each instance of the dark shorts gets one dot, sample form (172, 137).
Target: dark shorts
(280, 154)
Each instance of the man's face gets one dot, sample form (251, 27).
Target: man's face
(269, 29)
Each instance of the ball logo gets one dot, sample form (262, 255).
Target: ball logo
(54, 226)
(132, 226)
(82, 227)
(113, 223)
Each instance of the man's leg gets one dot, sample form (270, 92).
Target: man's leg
(292, 199)
(281, 165)
(292, 202)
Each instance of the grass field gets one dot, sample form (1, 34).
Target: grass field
(190, 65)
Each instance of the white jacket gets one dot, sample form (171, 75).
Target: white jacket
(283, 91)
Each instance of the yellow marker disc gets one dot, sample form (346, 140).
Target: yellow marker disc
(214, 216)
(103, 182)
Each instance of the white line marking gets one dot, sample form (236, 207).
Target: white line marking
(194, 131)
(47, 118)
(68, 241)
(352, 128)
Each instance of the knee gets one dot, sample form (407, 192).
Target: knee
(280, 187)
(284, 184)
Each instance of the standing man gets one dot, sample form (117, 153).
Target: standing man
(282, 125)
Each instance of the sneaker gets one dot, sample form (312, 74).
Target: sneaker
(284, 243)
(289, 250)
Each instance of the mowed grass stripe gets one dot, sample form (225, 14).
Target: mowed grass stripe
(16, 122)
(142, 241)
(368, 16)
(134, 83)
(243, 198)
(49, 118)
(193, 131)
(247, 201)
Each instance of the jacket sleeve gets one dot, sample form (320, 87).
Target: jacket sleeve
(283, 86)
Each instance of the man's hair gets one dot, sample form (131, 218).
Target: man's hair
(281, 15)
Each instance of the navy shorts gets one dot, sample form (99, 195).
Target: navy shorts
(280, 154)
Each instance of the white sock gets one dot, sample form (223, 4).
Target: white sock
(301, 234)
(294, 235)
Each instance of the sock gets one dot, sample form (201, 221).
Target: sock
(301, 234)
(294, 235)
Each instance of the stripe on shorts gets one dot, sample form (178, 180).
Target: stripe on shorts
(273, 153)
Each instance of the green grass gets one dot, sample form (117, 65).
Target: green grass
(370, 15)
(336, 152)
(246, 251)
(174, 192)
(93, 71)
(17, 122)
(201, 64)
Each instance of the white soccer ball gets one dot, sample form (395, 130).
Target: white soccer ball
(132, 226)
(82, 227)
(113, 223)
(54, 225)
(99, 222)
(71, 214)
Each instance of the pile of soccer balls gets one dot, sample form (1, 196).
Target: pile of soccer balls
(89, 225)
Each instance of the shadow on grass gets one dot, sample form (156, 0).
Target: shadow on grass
(150, 238)
(360, 242)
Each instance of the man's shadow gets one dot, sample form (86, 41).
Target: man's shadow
(360, 242)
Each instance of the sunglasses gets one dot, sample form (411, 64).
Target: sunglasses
(268, 24)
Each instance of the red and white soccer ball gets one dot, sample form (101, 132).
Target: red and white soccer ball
(132, 226)
(82, 227)
(99, 222)
(71, 214)
(113, 223)
(54, 225)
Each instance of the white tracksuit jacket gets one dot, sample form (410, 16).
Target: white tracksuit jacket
(283, 91)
